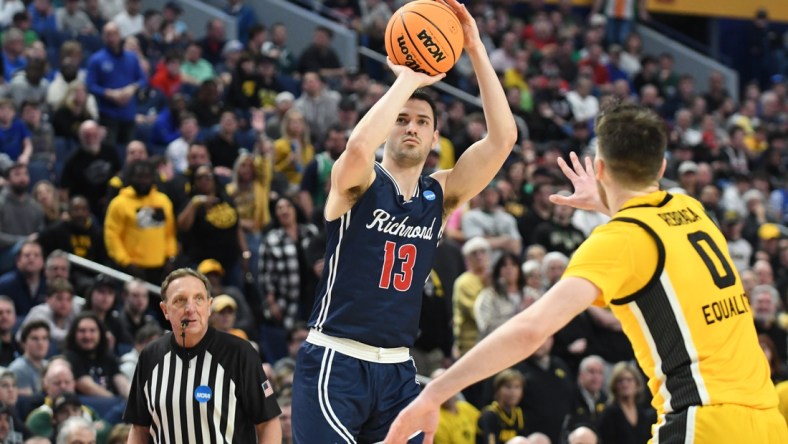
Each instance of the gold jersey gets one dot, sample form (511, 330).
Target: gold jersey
(663, 268)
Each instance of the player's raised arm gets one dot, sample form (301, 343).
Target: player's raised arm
(482, 161)
(353, 171)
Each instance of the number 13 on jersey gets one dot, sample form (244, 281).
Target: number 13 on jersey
(405, 255)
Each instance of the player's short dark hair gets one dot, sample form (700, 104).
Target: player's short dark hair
(632, 142)
(425, 96)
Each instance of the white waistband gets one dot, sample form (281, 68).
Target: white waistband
(359, 350)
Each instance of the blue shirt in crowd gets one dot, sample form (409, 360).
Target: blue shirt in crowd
(12, 138)
(108, 70)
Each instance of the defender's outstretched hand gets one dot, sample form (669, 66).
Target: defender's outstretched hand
(423, 79)
(419, 416)
(586, 195)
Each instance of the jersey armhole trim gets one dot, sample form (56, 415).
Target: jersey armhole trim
(660, 261)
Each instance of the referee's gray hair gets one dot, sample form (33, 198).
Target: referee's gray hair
(180, 273)
(72, 425)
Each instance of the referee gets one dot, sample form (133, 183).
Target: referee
(197, 384)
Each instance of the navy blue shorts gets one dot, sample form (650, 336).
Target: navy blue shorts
(340, 399)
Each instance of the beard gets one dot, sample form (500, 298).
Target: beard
(409, 157)
(142, 190)
(92, 148)
(19, 189)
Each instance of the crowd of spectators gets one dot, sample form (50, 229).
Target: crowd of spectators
(127, 141)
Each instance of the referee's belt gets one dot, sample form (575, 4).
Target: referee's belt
(359, 350)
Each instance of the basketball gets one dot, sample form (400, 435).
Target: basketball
(425, 36)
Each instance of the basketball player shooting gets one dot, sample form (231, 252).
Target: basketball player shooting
(354, 373)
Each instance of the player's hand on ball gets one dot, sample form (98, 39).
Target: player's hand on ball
(469, 29)
(423, 79)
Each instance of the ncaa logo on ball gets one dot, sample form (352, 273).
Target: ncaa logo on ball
(431, 46)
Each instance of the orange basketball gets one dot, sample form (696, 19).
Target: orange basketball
(425, 36)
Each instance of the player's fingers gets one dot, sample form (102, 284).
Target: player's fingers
(589, 165)
(437, 77)
(559, 200)
(566, 169)
(428, 437)
(576, 165)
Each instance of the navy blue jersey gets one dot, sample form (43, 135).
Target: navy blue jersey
(378, 256)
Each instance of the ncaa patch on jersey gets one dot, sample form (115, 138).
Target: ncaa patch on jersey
(429, 195)
(203, 393)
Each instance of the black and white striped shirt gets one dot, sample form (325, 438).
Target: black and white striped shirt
(215, 392)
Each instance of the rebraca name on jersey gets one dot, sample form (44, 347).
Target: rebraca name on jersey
(386, 223)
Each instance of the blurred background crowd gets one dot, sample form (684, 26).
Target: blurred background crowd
(133, 141)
